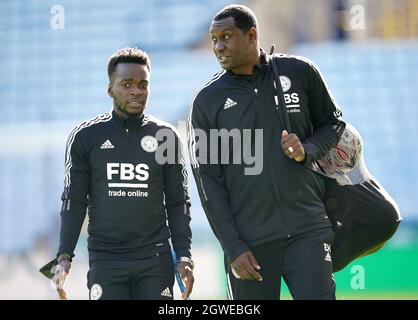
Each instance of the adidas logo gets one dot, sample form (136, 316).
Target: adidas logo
(229, 103)
(107, 145)
(166, 293)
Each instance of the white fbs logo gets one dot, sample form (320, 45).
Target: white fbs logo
(131, 174)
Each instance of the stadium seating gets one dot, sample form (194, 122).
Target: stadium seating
(51, 79)
(51, 76)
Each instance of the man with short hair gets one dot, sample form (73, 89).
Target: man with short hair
(275, 223)
(135, 203)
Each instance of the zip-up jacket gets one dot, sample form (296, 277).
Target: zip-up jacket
(285, 198)
(134, 202)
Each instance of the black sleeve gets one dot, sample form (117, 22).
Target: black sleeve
(73, 214)
(75, 195)
(177, 202)
(210, 184)
(325, 116)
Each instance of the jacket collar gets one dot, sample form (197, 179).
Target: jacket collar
(131, 123)
(262, 66)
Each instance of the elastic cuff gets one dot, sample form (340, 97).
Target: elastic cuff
(306, 160)
(236, 253)
(183, 253)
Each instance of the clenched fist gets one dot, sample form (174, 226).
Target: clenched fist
(292, 147)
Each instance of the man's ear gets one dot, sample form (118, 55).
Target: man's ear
(110, 90)
(252, 35)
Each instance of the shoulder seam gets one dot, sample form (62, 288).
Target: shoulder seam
(190, 132)
(296, 57)
(161, 123)
(68, 161)
(215, 78)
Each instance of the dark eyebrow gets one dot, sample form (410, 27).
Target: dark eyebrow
(132, 80)
(222, 30)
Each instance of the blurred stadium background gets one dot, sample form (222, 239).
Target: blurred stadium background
(53, 60)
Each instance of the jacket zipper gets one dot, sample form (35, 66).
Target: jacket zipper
(276, 188)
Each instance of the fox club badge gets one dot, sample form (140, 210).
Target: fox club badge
(149, 143)
(96, 292)
(286, 83)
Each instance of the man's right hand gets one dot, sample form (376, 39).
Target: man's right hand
(245, 267)
(61, 271)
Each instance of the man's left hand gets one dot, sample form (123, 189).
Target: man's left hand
(186, 272)
(292, 147)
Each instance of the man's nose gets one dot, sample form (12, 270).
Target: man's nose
(219, 46)
(136, 91)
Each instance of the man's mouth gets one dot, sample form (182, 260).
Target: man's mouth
(135, 102)
(222, 59)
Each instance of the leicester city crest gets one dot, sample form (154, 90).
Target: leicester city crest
(149, 143)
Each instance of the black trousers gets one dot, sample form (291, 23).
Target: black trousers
(303, 261)
(143, 279)
(363, 216)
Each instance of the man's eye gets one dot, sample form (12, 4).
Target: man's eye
(226, 37)
(127, 85)
(213, 40)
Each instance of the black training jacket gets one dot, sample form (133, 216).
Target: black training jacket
(285, 198)
(134, 202)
